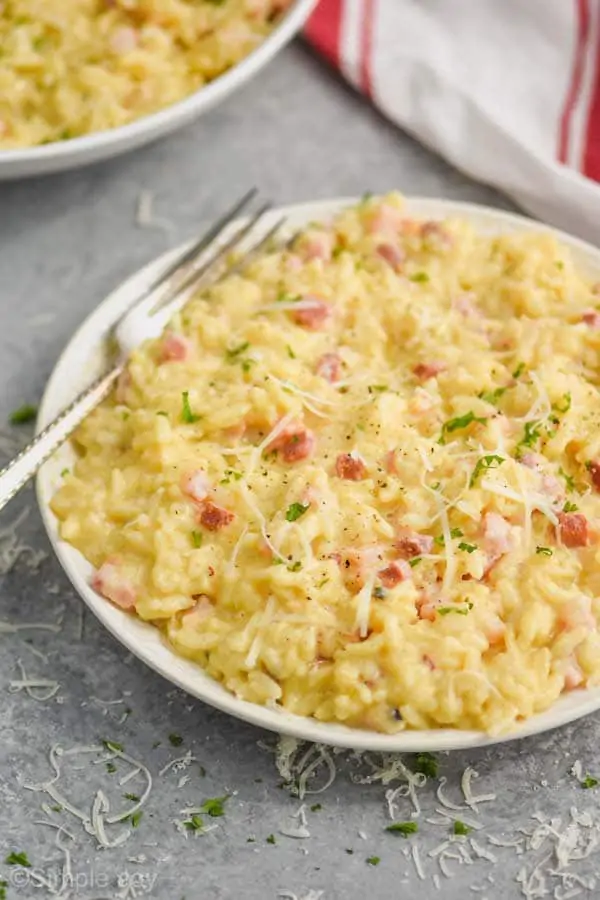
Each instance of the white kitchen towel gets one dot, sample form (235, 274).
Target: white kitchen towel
(508, 91)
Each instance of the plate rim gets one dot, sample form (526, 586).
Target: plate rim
(213, 693)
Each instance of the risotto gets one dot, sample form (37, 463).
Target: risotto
(361, 479)
(71, 67)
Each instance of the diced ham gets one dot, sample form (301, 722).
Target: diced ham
(110, 581)
(235, 432)
(424, 371)
(591, 317)
(594, 470)
(553, 489)
(573, 529)
(498, 536)
(295, 442)
(214, 517)
(392, 254)
(349, 467)
(174, 348)
(574, 677)
(532, 460)
(426, 608)
(124, 40)
(435, 234)
(195, 484)
(316, 245)
(357, 563)
(294, 263)
(389, 462)
(394, 573)
(465, 304)
(386, 219)
(329, 367)
(577, 613)
(410, 543)
(314, 315)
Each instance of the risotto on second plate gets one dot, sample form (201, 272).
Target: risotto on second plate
(72, 67)
(361, 479)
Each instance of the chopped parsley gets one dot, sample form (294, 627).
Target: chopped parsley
(291, 353)
(543, 551)
(559, 264)
(459, 422)
(569, 480)
(113, 746)
(316, 807)
(214, 806)
(415, 561)
(492, 396)
(247, 364)
(64, 473)
(271, 839)
(427, 764)
(519, 370)
(349, 851)
(288, 298)
(377, 388)
(161, 412)
(531, 434)
(18, 859)
(111, 768)
(379, 592)
(420, 277)
(229, 474)
(295, 510)
(460, 828)
(373, 860)
(195, 823)
(564, 405)
(468, 548)
(3, 886)
(295, 566)
(236, 351)
(136, 818)
(403, 828)
(460, 610)
(175, 740)
(23, 414)
(197, 539)
(493, 461)
(454, 533)
(133, 797)
(186, 411)
(589, 782)
(570, 507)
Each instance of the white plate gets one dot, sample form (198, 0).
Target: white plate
(57, 157)
(84, 358)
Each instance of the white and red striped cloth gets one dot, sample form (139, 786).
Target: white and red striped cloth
(508, 91)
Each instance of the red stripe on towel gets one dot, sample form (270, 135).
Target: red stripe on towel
(583, 32)
(324, 29)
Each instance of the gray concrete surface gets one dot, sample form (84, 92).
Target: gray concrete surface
(65, 241)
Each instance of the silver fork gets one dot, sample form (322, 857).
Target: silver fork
(198, 265)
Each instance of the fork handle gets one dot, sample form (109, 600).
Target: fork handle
(20, 469)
